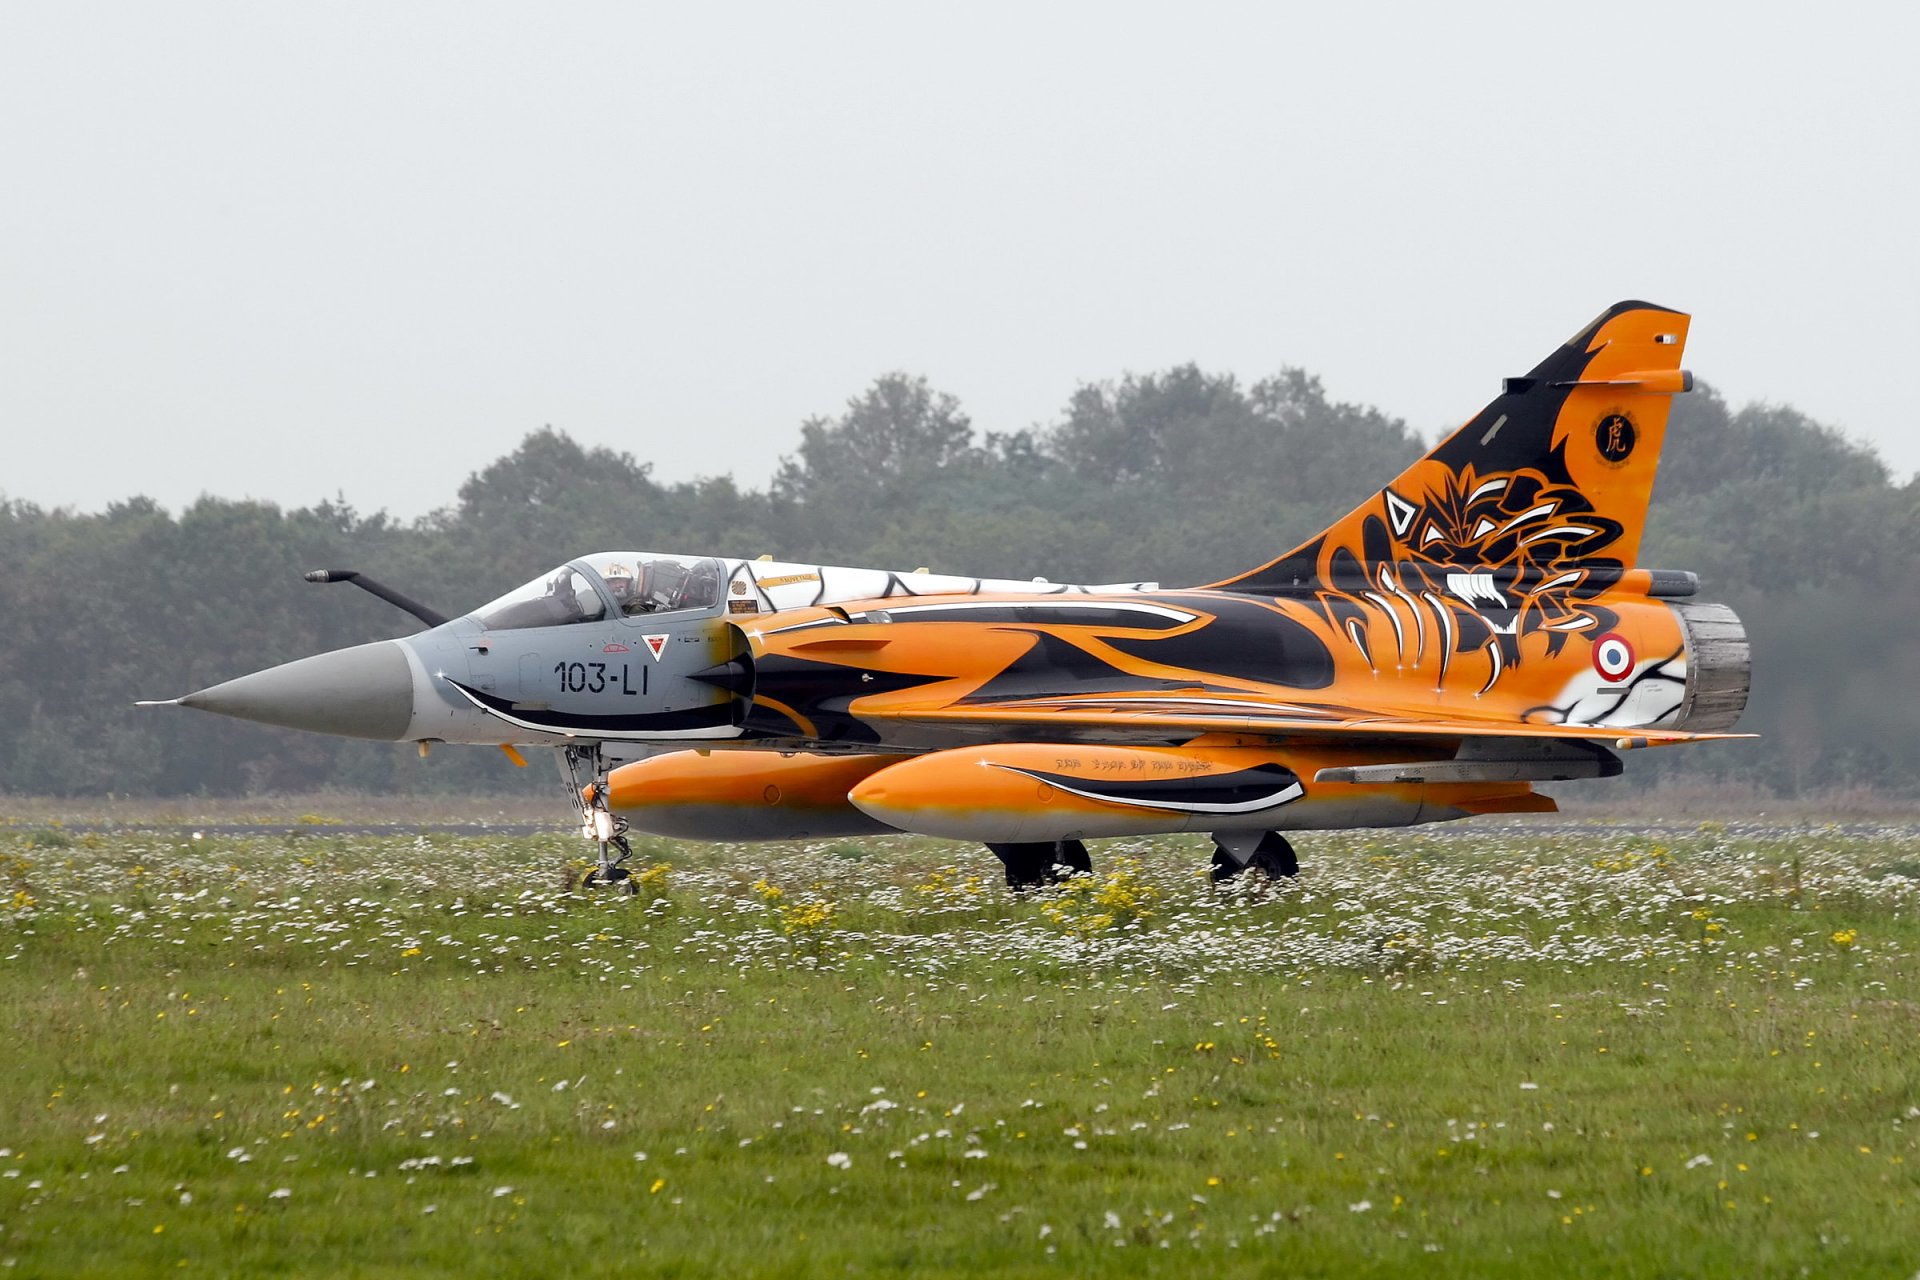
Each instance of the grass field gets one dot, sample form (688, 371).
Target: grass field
(1464, 1052)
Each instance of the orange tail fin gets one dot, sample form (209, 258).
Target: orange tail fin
(1556, 471)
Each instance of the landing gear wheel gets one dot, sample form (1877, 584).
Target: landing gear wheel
(1028, 866)
(1031, 864)
(1226, 867)
(1273, 857)
(1276, 858)
(616, 877)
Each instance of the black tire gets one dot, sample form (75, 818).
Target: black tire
(1225, 869)
(1275, 858)
(1028, 865)
(1073, 854)
(616, 877)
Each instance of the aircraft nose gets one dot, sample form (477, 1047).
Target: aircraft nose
(362, 692)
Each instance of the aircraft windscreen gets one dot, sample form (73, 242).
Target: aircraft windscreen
(644, 583)
(556, 598)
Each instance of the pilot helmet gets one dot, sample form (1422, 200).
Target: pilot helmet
(619, 580)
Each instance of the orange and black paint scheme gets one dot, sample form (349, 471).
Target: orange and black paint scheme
(1475, 626)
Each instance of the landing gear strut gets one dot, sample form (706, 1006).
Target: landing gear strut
(1034, 864)
(598, 822)
(1237, 852)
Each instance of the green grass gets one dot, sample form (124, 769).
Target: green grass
(1457, 1053)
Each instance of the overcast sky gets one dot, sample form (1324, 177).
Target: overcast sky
(287, 251)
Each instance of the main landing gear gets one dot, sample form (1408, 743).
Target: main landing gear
(1042, 862)
(598, 822)
(1237, 852)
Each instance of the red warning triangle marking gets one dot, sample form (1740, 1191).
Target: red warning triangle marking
(656, 645)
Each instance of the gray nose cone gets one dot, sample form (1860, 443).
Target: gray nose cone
(362, 692)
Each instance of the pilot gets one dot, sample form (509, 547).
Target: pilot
(621, 582)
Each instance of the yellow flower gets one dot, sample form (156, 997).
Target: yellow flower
(1087, 905)
(806, 919)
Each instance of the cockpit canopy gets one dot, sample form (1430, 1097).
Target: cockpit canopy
(611, 584)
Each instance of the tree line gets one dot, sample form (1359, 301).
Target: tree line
(1182, 475)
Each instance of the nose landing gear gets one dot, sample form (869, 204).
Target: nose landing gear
(598, 822)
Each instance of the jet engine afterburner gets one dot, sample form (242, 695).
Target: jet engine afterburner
(1719, 667)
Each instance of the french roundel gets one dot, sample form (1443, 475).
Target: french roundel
(1613, 657)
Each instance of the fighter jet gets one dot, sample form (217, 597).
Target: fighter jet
(1475, 627)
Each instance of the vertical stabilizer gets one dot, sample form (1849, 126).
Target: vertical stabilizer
(1556, 472)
